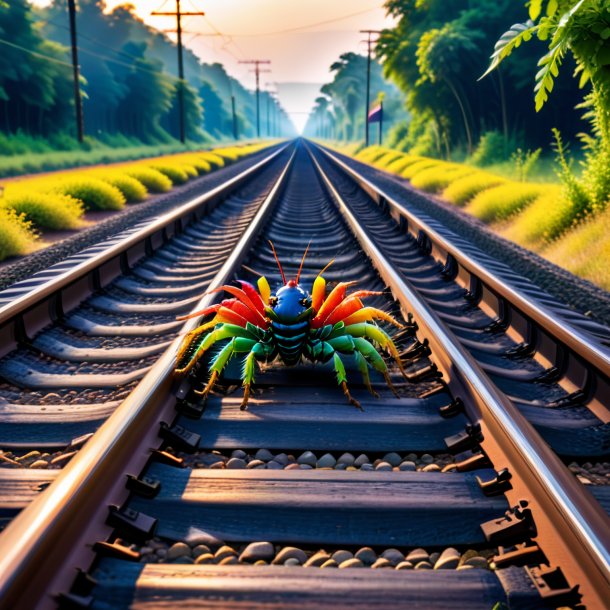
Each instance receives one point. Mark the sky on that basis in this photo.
(301, 38)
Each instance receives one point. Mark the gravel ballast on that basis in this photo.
(263, 459)
(265, 553)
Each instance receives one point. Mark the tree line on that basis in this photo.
(435, 56)
(339, 111)
(129, 79)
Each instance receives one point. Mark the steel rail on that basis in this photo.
(563, 331)
(574, 526)
(71, 511)
(21, 304)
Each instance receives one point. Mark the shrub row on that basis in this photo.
(59, 200)
(537, 212)
(542, 217)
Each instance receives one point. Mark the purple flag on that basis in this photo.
(375, 113)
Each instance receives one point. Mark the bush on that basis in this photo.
(176, 174)
(201, 165)
(386, 159)
(153, 180)
(585, 250)
(216, 161)
(413, 169)
(550, 215)
(47, 210)
(133, 190)
(435, 179)
(500, 202)
(492, 148)
(95, 194)
(402, 163)
(464, 189)
(228, 154)
(16, 234)
(189, 169)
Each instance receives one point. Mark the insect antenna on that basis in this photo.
(302, 262)
(253, 271)
(277, 260)
(327, 266)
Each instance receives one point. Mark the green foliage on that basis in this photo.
(47, 210)
(575, 193)
(339, 110)
(464, 189)
(16, 234)
(525, 162)
(94, 193)
(397, 134)
(492, 148)
(154, 181)
(129, 80)
(501, 202)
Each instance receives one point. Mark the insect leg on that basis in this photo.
(236, 345)
(363, 367)
(378, 335)
(257, 352)
(377, 362)
(342, 379)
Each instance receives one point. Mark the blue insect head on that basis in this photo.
(290, 304)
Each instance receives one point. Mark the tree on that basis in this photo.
(580, 28)
(436, 52)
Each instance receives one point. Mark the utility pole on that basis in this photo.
(78, 103)
(257, 71)
(369, 42)
(179, 14)
(234, 117)
(270, 107)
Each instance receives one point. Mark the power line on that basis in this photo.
(35, 54)
(304, 27)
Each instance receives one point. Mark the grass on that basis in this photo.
(465, 188)
(543, 221)
(152, 180)
(412, 170)
(437, 178)
(16, 234)
(503, 201)
(94, 193)
(58, 200)
(386, 159)
(38, 155)
(174, 172)
(132, 189)
(47, 210)
(585, 250)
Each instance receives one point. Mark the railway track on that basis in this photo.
(171, 501)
